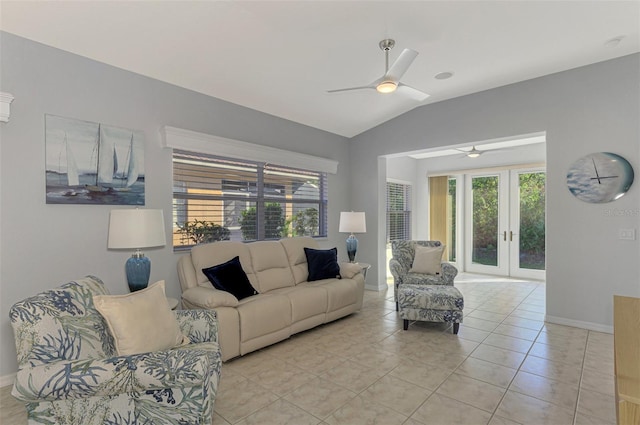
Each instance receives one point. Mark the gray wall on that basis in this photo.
(589, 109)
(43, 245)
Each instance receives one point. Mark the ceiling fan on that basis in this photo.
(475, 152)
(390, 81)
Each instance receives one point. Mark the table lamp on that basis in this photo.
(352, 222)
(136, 229)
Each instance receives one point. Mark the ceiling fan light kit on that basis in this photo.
(390, 81)
(386, 87)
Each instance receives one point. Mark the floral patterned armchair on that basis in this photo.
(68, 372)
(402, 259)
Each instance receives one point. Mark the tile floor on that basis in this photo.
(505, 367)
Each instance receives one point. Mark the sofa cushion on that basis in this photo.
(141, 321)
(427, 259)
(262, 315)
(307, 300)
(297, 258)
(271, 265)
(231, 278)
(322, 263)
(340, 293)
(211, 254)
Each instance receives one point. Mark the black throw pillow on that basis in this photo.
(322, 263)
(230, 277)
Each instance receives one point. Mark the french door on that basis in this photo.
(505, 223)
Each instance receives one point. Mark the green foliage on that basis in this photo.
(274, 222)
(202, 231)
(532, 215)
(304, 223)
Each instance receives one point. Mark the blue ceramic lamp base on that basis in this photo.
(138, 269)
(352, 247)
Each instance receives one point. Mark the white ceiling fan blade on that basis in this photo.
(351, 89)
(401, 65)
(412, 92)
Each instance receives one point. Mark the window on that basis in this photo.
(398, 211)
(217, 198)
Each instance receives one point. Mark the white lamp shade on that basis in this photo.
(136, 228)
(352, 222)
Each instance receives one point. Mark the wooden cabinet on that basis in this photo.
(626, 333)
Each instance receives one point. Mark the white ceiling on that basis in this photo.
(281, 57)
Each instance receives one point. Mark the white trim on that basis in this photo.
(7, 380)
(5, 106)
(192, 141)
(579, 324)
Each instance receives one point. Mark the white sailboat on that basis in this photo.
(106, 161)
(132, 168)
(73, 178)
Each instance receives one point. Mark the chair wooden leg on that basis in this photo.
(406, 324)
(456, 326)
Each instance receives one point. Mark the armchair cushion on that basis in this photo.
(140, 321)
(427, 260)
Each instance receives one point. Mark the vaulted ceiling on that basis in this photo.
(281, 57)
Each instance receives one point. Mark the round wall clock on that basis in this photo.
(600, 177)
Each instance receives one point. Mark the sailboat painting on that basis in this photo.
(93, 163)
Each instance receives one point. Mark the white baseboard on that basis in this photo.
(579, 324)
(7, 380)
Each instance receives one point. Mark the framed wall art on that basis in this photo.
(93, 163)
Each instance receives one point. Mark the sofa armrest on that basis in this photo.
(397, 270)
(449, 272)
(209, 298)
(199, 325)
(183, 367)
(349, 270)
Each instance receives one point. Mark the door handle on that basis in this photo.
(504, 235)
(510, 235)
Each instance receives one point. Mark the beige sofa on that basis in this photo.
(286, 303)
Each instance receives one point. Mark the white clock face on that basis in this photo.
(600, 177)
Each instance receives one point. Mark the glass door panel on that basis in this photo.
(527, 237)
(487, 198)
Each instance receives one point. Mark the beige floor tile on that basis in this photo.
(516, 332)
(441, 410)
(525, 314)
(353, 376)
(452, 344)
(487, 315)
(556, 392)
(563, 340)
(565, 372)
(377, 358)
(481, 324)
(601, 364)
(360, 411)
(601, 338)
(508, 343)
(12, 411)
(436, 358)
(487, 372)
(472, 391)
(217, 420)
(498, 420)
(472, 334)
(397, 394)
(601, 382)
(320, 397)
(599, 349)
(532, 411)
(508, 358)
(568, 354)
(422, 374)
(281, 412)
(281, 378)
(596, 404)
(316, 361)
(591, 420)
(240, 398)
(566, 331)
(536, 325)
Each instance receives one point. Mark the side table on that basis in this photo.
(173, 303)
(365, 267)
